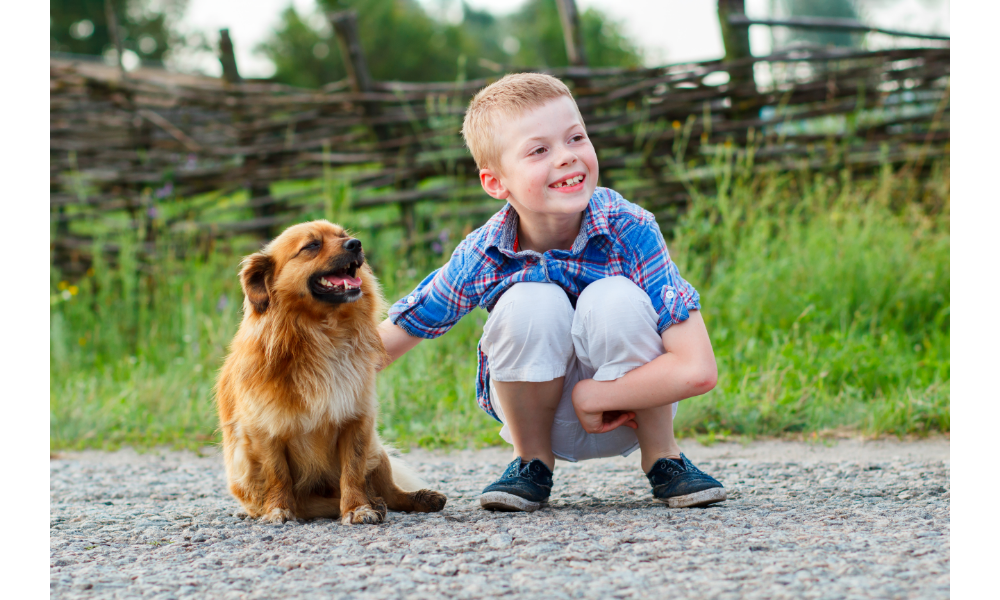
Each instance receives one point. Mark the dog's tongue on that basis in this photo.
(343, 280)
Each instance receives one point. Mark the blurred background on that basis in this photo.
(282, 38)
(795, 153)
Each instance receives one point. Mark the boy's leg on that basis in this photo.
(614, 331)
(528, 409)
(656, 434)
(527, 343)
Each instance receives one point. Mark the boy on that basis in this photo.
(593, 336)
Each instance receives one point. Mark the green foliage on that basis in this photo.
(302, 56)
(838, 9)
(80, 26)
(402, 42)
(538, 30)
(827, 300)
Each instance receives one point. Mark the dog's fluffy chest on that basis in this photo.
(345, 391)
(313, 391)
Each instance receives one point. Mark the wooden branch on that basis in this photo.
(830, 24)
(174, 132)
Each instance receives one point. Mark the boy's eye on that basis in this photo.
(577, 138)
(538, 151)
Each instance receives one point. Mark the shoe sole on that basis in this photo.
(702, 498)
(505, 502)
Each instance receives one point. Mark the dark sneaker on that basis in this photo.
(521, 487)
(683, 486)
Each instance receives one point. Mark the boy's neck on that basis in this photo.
(542, 233)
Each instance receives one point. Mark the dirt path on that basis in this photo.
(853, 519)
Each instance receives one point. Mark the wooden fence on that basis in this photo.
(175, 156)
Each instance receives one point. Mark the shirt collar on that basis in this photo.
(503, 229)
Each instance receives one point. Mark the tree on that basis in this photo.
(80, 26)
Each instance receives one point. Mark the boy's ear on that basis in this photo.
(492, 185)
(256, 277)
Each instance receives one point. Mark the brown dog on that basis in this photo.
(296, 397)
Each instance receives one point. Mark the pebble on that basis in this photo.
(800, 522)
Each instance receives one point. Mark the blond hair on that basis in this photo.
(503, 100)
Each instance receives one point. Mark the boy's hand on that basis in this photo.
(598, 421)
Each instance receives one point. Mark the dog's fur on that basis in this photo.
(296, 397)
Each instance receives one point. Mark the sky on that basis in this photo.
(669, 31)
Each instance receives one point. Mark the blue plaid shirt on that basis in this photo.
(616, 238)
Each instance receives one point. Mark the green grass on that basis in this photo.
(827, 301)
(828, 307)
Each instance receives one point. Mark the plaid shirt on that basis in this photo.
(616, 238)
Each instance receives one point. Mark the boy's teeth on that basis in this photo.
(573, 181)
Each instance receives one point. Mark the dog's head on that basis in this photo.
(310, 269)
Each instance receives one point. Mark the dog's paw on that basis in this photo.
(278, 515)
(363, 515)
(429, 500)
(378, 505)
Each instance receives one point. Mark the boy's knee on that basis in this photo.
(618, 301)
(528, 310)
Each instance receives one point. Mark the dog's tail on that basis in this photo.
(402, 474)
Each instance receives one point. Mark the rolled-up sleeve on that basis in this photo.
(439, 301)
(671, 295)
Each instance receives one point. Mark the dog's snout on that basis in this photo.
(352, 245)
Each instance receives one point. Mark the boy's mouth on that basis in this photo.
(569, 182)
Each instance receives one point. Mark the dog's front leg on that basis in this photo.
(277, 481)
(352, 447)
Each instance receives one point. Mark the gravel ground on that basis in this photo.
(848, 520)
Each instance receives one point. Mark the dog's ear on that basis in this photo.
(256, 278)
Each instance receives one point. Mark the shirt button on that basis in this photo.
(411, 300)
(670, 294)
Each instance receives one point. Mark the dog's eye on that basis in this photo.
(313, 245)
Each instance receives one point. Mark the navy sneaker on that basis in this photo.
(683, 485)
(522, 487)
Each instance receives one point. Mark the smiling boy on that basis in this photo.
(593, 336)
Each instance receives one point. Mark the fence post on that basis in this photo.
(116, 36)
(228, 57)
(736, 40)
(140, 132)
(256, 191)
(345, 25)
(572, 33)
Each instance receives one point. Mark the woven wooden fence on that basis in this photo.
(176, 156)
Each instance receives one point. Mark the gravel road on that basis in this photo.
(849, 520)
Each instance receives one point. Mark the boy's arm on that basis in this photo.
(437, 303)
(685, 369)
(396, 341)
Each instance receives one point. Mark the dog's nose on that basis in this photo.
(352, 245)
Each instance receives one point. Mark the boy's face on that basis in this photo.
(548, 165)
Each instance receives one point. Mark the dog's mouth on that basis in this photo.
(338, 285)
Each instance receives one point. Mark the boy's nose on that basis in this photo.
(566, 157)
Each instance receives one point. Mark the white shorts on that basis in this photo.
(533, 334)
